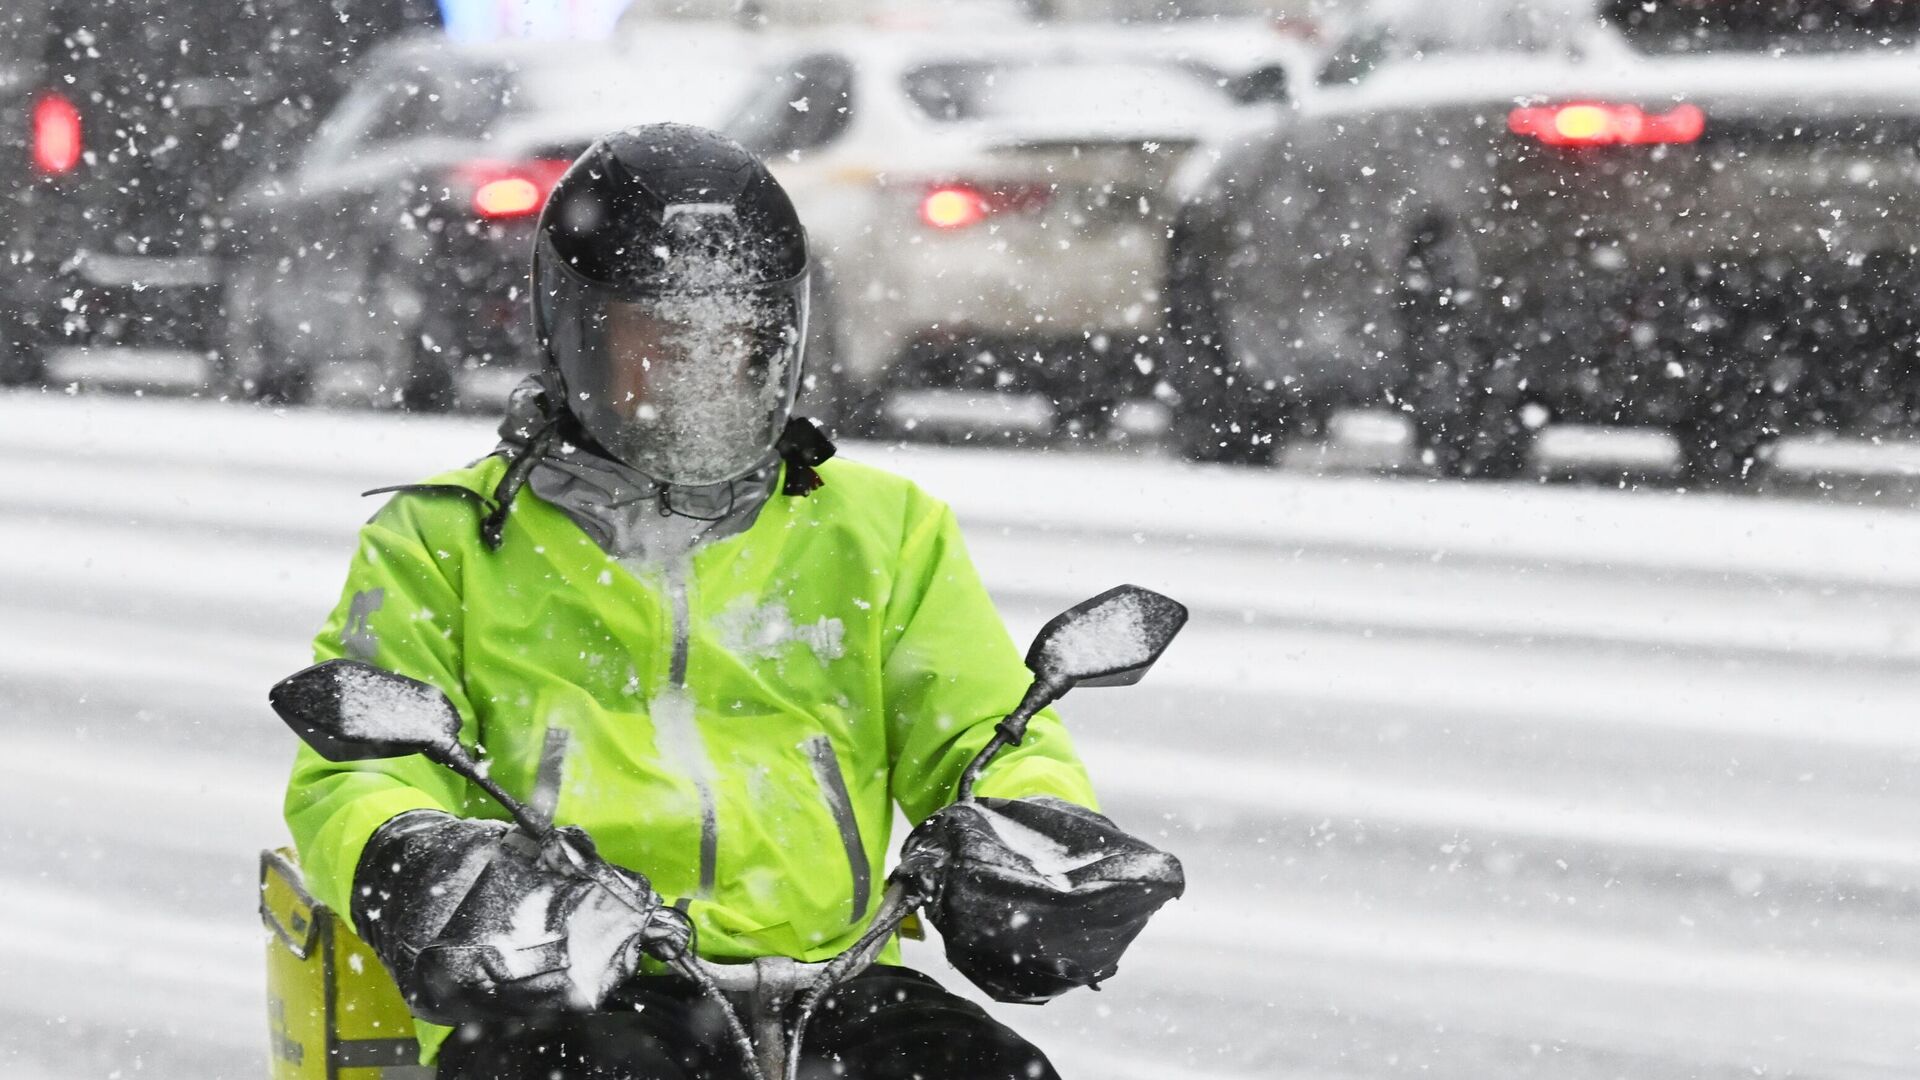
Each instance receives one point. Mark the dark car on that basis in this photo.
(123, 125)
(398, 244)
(1497, 213)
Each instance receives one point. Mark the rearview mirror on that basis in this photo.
(352, 711)
(1110, 640)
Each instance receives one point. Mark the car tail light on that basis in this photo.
(952, 206)
(959, 205)
(1592, 123)
(56, 134)
(509, 189)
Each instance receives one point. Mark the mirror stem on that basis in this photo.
(455, 757)
(1009, 732)
(1040, 695)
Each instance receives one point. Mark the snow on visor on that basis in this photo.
(690, 384)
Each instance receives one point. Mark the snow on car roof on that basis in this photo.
(612, 83)
(579, 90)
(1106, 57)
(1595, 58)
(1035, 92)
(1825, 83)
(900, 49)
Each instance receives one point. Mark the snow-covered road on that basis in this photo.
(1470, 780)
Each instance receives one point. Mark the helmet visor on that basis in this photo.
(690, 386)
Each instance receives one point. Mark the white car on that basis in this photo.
(987, 213)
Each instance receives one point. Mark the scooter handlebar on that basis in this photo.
(808, 977)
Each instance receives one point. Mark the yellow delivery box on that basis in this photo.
(333, 1012)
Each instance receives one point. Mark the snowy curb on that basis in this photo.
(1113, 495)
(1110, 494)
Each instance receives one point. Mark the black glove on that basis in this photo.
(1034, 897)
(475, 920)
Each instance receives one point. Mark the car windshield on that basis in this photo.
(1766, 26)
(1032, 90)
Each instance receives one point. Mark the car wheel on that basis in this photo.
(1743, 402)
(830, 393)
(248, 364)
(414, 349)
(282, 379)
(1221, 437)
(1465, 414)
(1085, 395)
(1083, 418)
(1217, 417)
(830, 398)
(22, 359)
(1712, 455)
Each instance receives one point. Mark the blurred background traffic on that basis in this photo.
(1521, 393)
(296, 196)
(1452, 238)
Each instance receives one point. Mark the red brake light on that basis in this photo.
(56, 134)
(509, 189)
(509, 197)
(953, 206)
(958, 205)
(1590, 123)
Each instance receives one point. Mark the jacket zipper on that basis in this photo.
(679, 729)
(833, 789)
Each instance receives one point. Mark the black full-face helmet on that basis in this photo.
(670, 294)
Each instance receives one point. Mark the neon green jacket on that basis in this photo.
(737, 730)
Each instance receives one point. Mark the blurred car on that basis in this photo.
(777, 16)
(1497, 213)
(122, 127)
(401, 240)
(987, 213)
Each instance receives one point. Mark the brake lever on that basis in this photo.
(559, 850)
(592, 867)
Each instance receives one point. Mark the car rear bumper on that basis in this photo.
(118, 300)
(102, 258)
(460, 300)
(1076, 370)
(1809, 193)
(1024, 284)
(1830, 340)
(989, 310)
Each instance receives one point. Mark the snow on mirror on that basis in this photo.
(352, 711)
(1110, 640)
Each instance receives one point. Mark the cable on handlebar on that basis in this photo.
(894, 908)
(690, 968)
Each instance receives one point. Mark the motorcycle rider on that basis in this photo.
(668, 619)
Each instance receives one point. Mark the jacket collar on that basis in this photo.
(629, 514)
